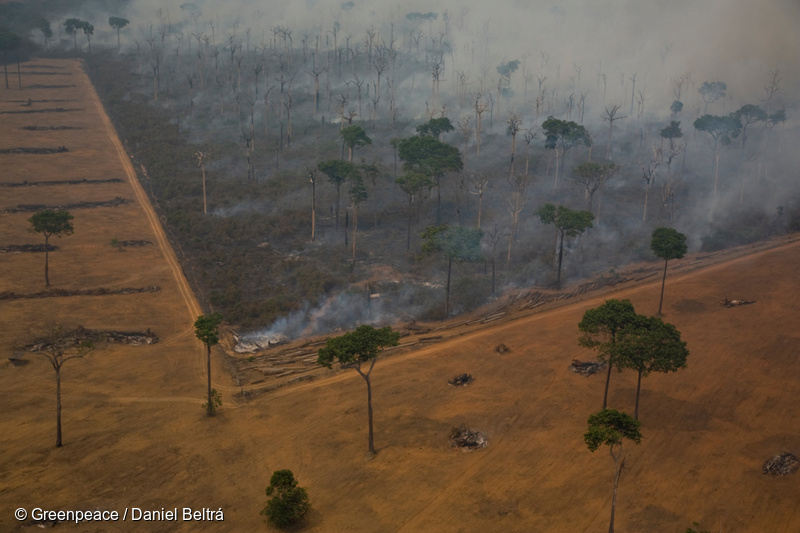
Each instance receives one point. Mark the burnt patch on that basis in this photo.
(58, 150)
(59, 182)
(37, 86)
(33, 248)
(50, 128)
(48, 110)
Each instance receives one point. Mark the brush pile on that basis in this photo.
(461, 380)
(781, 465)
(56, 293)
(586, 368)
(78, 205)
(59, 150)
(502, 348)
(466, 439)
(18, 248)
(81, 334)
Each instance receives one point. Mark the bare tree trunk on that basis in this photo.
(46, 262)
(369, 402)
(638, 390)
(663, 281)
(617, 471)
(560, 257)
(210, 406)
(58, 406)
(447, 291)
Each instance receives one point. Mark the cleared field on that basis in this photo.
(135, 434)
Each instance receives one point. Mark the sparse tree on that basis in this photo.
(354, 137)
(711, 92)
(358, 195)
(592, 176)
(610, 117)
(436, 127)
(72, 25)
(667, 244)
(599, 328)
(570, 223)
(648, 344)
(8, 41)
(201, 162)
(118, 23)
(337, 173)
(563, 135)
(722, 130)
(749, 114)
(50, 223)
(610, 427)
(413, 183)
(514, 126)
(206, 328)
(59, 345)
(357, 348)
(458, 244)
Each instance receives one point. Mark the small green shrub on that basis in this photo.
(288, 504)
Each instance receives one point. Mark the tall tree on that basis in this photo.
(711, 92)
(667, 244)
(88, 31)
(592, 176)
(648, 344)
(413, 183)
(569, 222)
(358, 195)
(722, 130)
(610, 117)
(118, 23)
(563, 135)
(50, 223)
(749, 114)
(8, 41)
(72, 25)
(354, 137)
(431, 157)
(600, 326)
(337, 173)
(458, 244)
(58, 346)
(206, 328)
(357, 348)
(611, 428)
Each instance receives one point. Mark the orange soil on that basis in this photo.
(135, 434)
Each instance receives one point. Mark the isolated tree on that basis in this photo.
(676, 108)
(118, 23)
(672, 133)
(288, 503)
(711, 92)
(436, 127)
(50, 223)
(722, 130)
(749, 114)
(8, 41)
(514, 125)
(47, 32)
(610, 427)
(600, 326)
(431, 157)
(667, 244)
(413, 183)
(337, 173)
(570, 223)
(648, 175)
(72, 25)
(563, 135)
(354, 137)
(58, 346)
(458, 244)
(206, 328)
(357, 348)
(480, 181)
(88, 31)
(358, 195)
(592, 176)
(648, 344)
(201, 162)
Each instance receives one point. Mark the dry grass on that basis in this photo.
(135, 434)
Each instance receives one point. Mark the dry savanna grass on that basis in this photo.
(136, 436)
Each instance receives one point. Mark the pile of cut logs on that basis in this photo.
(586, 368)
(736, 303)
(466, 439)
(781, 465)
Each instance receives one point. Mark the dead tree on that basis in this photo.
(480, 183)
(514, 125)
(610, 117)
(479, 105)
(519, 188)
(190, 80)
(495, 236)
(316, 73)
(312, 176)
(648, 175)
(466, 132)
(529, 136)
(201, 162)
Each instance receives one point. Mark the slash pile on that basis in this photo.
(462, 380)
(587, 368)
(781, 465)
(466, 439)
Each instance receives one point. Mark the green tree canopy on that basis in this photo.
(206, 328)
(51, 223)
(667, 244)
(563, 132)
(711, 92)
(749, 114)
(355, 349)
(338, 172)
(435, 127)
(569, 223)
(673, 131)
(431, 157)
(648, 344)
(676, 107)
(118, 23)
(413, 183)
(288, 503)
(599, 328)
(354, 137)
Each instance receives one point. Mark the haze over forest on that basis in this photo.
(192, 77)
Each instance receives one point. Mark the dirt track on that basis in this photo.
(135, 434)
